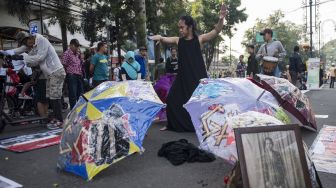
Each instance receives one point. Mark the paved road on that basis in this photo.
(38, 168)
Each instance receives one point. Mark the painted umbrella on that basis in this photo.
(106, 125)
(290, 98)
(216, 100)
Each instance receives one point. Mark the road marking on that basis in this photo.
(304, 91)
(321, 116)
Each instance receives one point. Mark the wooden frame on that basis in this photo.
(255, 130)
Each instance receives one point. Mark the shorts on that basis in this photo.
(40, 93)
(55, 84)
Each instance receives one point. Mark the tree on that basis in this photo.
(65, 19)
(206, 12)
(287, 32)
(59, 12)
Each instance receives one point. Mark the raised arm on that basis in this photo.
(167, 40)
(214, 33)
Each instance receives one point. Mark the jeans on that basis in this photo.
(294, 77)
(75, 88)
(332, 81)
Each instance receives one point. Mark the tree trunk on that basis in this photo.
(209, 55)
(64, 35)
(141, 24)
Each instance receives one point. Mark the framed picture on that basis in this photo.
(272, 157)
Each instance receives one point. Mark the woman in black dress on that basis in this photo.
(191, 69)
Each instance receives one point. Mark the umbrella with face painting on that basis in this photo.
(106, 125)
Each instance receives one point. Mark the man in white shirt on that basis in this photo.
(42, 53)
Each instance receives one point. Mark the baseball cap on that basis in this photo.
(267, 30)
(21, 36)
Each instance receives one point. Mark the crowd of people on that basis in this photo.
(186, 63)
(80, 72)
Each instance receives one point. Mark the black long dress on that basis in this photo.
(191, 70)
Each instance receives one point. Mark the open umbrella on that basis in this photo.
(215, 101)
(290, 98)
(106, 125)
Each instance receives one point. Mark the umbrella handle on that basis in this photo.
(261, 95)
(87, 100)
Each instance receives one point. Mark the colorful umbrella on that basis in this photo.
(106, 125)
(215, 101)
(290, 98)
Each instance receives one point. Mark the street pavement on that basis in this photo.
(37, 168)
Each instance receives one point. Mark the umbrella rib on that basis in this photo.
(261, 95)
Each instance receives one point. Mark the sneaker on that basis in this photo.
(52, 126)
(25, 97)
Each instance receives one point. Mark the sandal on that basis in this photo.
(164, 128)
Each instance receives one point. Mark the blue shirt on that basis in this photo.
(101, 67)
(142, 61)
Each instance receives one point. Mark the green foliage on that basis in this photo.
(328, 52)
(206, 13)
(19, 8)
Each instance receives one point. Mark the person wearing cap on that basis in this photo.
(43, 54)
(252, 63)
(141, 58)
(73, 65)
(332, 75)
(271, 48)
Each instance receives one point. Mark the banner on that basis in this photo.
(31, 141)
(313, 79)
(323, 150)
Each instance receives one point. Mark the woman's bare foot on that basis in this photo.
(164, 128)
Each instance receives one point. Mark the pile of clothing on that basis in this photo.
(178, 152)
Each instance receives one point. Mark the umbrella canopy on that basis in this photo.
(291, 99)
(215, 101)
(106, 125)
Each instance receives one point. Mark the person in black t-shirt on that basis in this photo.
(172, 62)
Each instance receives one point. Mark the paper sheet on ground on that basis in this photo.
(7, 183)
(321, 116)
(323, 150)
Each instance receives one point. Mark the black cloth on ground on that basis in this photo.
(178, 152)
(191, 68)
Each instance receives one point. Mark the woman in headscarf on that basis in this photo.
(130, 69)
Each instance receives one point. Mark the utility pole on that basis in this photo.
(41, 17)
(311, 27)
